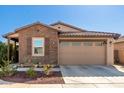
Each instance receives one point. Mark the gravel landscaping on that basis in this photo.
(21, 77)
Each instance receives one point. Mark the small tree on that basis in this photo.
(7, 69)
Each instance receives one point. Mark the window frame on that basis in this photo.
(86, 43)
(76, 44)
(37, 38)
(65, 44)
(99, 43)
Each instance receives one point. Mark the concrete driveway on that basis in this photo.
(95, 74)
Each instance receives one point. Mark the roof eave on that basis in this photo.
(69, 35)
(6, 35)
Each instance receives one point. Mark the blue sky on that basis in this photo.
(93, 18)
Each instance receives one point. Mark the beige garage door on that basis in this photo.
(88, 52)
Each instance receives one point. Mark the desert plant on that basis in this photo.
(47, 69)
(8, 69)
(31, 72)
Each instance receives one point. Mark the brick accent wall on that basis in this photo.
(51, 44)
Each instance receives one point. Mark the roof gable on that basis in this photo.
(33, 24)
(64, 27)
(27, 26)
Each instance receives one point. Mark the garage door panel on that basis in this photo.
(82, 54)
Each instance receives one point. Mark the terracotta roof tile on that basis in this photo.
(90, 33)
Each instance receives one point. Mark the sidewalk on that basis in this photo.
(18, 85)
(5, 84)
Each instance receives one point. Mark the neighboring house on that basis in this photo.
(64, 44)
(119, 50)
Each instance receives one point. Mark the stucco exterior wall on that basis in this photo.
(110, 52)
(119, 52)
(51, 46)
(119, 46)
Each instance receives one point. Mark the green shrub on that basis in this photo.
(3, 52)
(47, 69)
(31, 72)
(7, 69)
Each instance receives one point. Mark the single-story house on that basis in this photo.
(119, 50)
(64, 44)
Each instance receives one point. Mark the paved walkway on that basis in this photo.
(5, 84)
(37, 69)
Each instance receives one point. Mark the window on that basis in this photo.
(98, 43)
(38, 46)
(76, 43)
(87, 43)
(65, 43)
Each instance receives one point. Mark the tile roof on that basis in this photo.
(69, 25)
(120, 40)
(89, 33)
(7, 34)
(70, 33)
